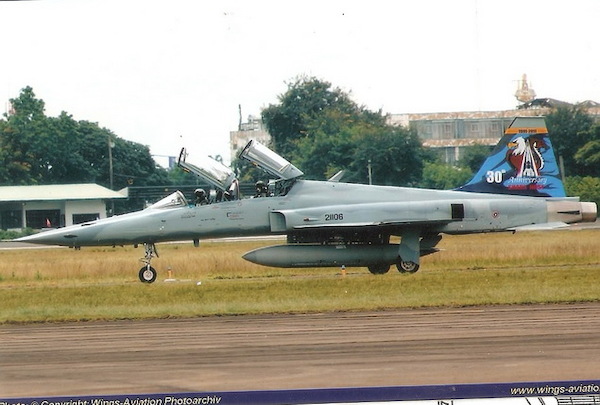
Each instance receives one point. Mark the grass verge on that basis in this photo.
(47, 285)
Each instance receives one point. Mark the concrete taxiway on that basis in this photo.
(389, 348)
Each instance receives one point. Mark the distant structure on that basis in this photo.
(524, 93)
(447, 132)
(451, 132)
(251, 129)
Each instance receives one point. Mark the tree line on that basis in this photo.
(316, 126)
(322, 130)
(38, 149)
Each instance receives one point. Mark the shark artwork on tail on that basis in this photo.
(334, 224)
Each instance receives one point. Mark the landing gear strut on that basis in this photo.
(147, 273)
(409, 251)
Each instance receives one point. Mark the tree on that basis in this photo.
(36, 149)
(395, 155)
(570, 129)
(321, 130)
(588, 156)
(94, 150)
(328, 146)
(444, 177)
(474, 156)
(60, 154)
(306, 99)
(587, 188)
(133, 165)
(20, 137)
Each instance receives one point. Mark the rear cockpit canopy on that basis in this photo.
(269, 161)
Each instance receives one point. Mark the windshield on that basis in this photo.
(172, 201)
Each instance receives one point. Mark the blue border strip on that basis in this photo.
(329, 395)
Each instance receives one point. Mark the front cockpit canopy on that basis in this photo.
(269, 161)
(213, 172)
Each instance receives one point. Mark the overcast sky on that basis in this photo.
(172, 73)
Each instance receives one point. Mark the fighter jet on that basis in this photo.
(329, 223)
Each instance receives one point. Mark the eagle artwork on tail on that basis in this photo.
(525, 157)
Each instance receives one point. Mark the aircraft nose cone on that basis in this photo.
(49, 238)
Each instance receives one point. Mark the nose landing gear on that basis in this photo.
(147, 273)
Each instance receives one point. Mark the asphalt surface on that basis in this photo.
(391, 348)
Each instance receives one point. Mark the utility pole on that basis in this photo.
(370, 169)
(111, 145)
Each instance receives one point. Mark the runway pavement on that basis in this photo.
(390, 348)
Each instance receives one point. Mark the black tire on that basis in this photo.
(379, 268)
(147, 274)
(407, 267)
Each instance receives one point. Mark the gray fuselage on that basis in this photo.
(310, 205)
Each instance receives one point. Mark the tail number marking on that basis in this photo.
(334, 217)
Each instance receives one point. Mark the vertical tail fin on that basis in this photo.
(522, 163)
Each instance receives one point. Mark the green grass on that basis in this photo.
(62, 285)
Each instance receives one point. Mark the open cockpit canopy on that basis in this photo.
(213, 172)
(269, 161)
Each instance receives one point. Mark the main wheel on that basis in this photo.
(379, 268)
(407, 267)
(147, 274)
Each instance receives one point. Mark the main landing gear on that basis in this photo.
(407, 266)
(401, 265)
(411, 248)
(381, 268)
(147, 272)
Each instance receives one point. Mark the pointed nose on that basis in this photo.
(55, 237)
(251, 257)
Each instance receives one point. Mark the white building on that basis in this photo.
(53, 206)
(253, 129)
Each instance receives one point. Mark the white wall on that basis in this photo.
(68, 208)
(83, 207)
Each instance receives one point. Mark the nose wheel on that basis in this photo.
(148, 273)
